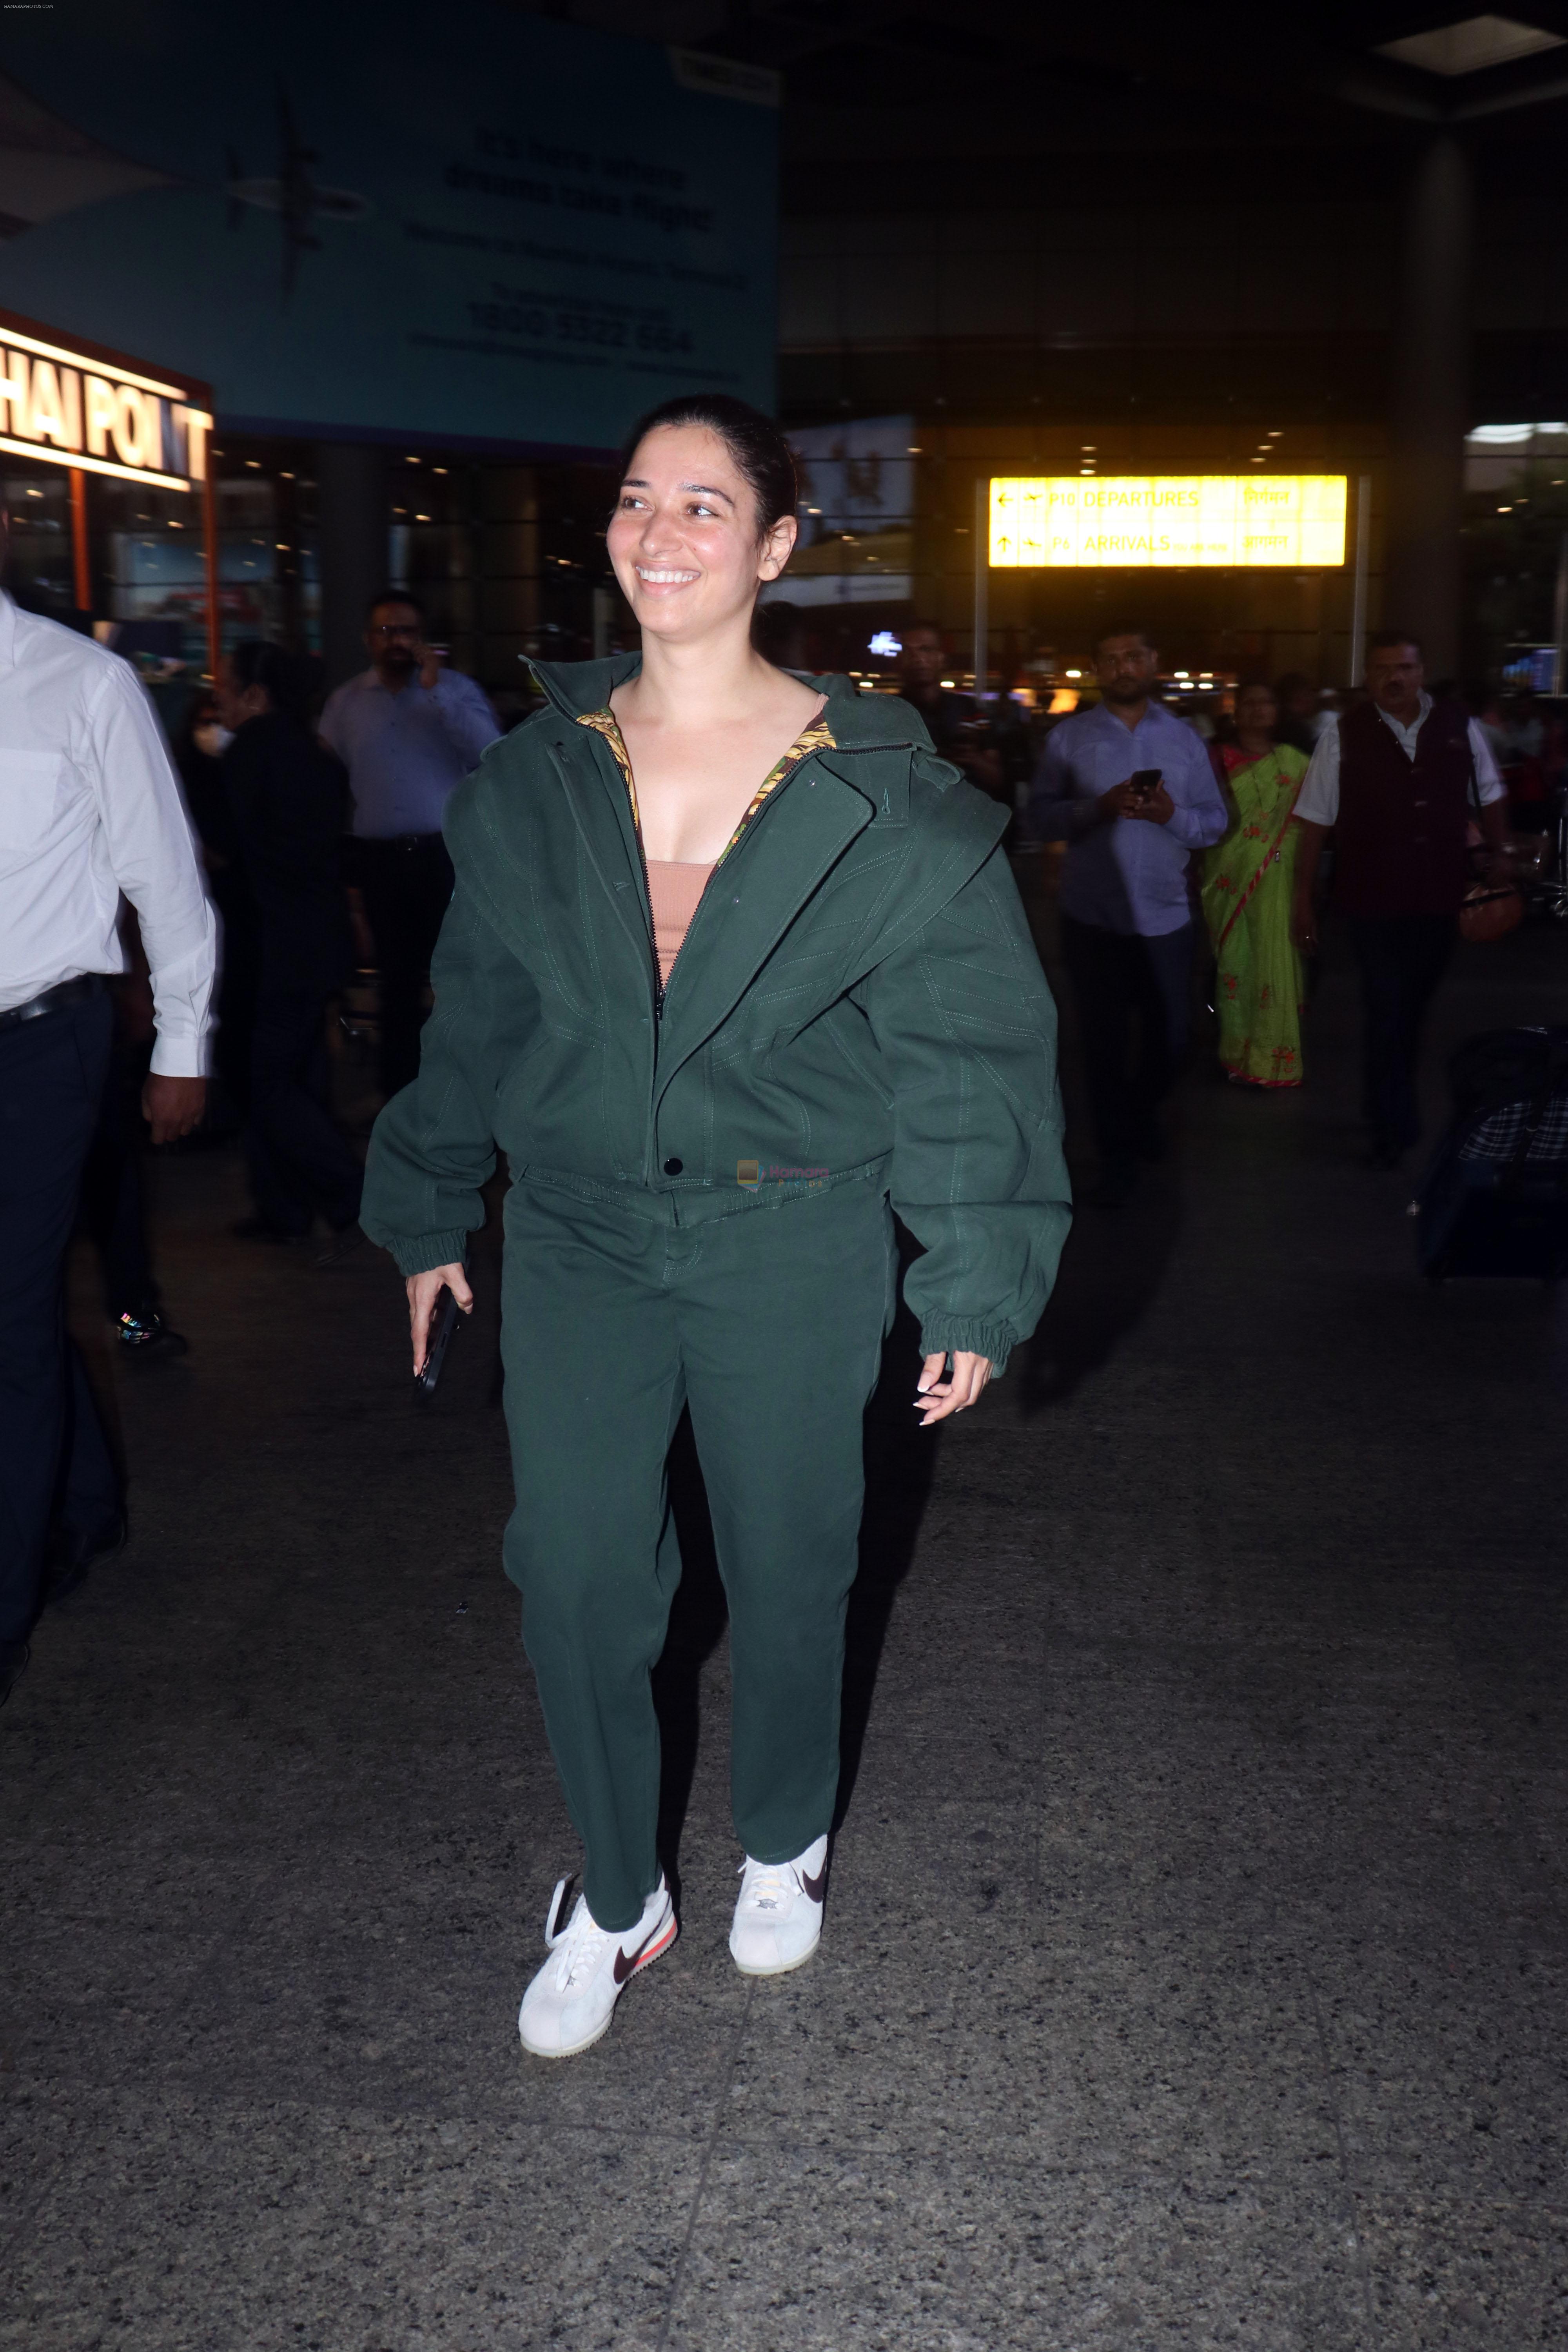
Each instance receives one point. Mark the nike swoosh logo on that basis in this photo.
(816, 1887)
(626, 1961)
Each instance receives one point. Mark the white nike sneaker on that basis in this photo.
(778, 1913)
(568, 2005)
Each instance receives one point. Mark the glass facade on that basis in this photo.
(507, 560)
(269, 576)
(40, 570)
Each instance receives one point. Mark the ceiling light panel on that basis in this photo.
(1470, 45)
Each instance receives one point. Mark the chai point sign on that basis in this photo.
(1168, 521)
(74, 406)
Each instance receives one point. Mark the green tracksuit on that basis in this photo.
(699, 1212)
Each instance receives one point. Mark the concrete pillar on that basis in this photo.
(351, 529)
(1429, 413)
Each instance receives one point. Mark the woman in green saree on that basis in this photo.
(1247, 879)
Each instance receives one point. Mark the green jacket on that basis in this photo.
(858, 997)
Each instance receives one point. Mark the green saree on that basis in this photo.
(1247, 881)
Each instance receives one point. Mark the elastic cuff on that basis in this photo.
(949, 1333)
(423, 1253)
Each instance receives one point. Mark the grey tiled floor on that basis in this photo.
(1197, 1957)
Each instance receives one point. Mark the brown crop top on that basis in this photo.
(674, 888)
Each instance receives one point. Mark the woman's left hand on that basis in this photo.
(938, 1397)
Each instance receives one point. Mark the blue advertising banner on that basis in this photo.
(478, 227)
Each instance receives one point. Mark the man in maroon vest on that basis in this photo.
(1398, 780)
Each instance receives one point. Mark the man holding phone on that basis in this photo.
(1130, 788)
(408, 730)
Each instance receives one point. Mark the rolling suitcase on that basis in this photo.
(1495, 1199)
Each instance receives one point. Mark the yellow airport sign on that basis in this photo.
(1154, 521)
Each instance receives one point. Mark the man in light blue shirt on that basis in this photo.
(407, 731)
(1130, 788)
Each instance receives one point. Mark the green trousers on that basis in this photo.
(769, 1325)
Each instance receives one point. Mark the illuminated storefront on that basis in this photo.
(108, 483)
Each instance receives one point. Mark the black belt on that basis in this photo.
(55, 1000)
(397, 840)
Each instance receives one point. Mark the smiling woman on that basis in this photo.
(735, 968)
(704, 518)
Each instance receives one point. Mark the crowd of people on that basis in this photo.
(320, 836)
(1242, 791)
(647, 1045)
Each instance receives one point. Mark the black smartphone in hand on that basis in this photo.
(1144, 782)
(443, 1323)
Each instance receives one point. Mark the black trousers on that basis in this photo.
(238, 986)
(1134, 1010)
(297, 1158)
(1402, 959)
(53, 1459)
(112, 1210)
(407, 885)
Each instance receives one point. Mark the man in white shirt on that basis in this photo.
(1130, 788)
(88, 808)
(408, 730)
(1398, 780)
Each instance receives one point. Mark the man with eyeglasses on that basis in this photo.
(1129, 787)
(408, 730)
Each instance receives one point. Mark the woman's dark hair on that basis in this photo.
(289, 679)
(759, 449)
(1225, 726)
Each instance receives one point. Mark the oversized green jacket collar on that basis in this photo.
(805, 829)
(859, 721)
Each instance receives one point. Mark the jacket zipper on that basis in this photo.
(648, 886)
(652, 925)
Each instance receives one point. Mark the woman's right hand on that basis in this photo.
(423, 1290)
